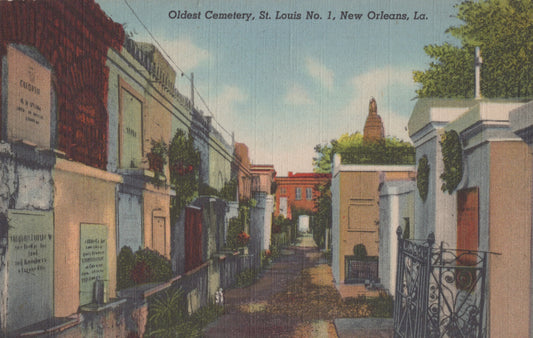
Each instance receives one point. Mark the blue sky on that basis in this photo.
(284, 86)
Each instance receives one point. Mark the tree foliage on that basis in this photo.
(355, 150)
(503, 31)
(322, 162)
(322, 216)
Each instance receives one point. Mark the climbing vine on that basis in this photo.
(422, 177)
(184, 164)
(157, 158)
(452, 156)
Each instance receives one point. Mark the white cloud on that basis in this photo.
(375, 82)
(298, 96)
(224, 106)
(320, 72)
(287, 156)
(185, 54)
(396, 125)
(390, 87)
(229, 96)
(289, 146)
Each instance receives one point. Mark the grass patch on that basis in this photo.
(168, 316)
(380, 307)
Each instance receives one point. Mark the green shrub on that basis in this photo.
(145, 266)
(275, 251)
(246, 278)
(229, 190)
(382, 306)
(234, 229)
(168, 316)
(205, 189)
(266, 256)
(125, 262)
(158, 266)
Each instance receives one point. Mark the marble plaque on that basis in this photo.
(93, 259)
(30, 268)
(28, 99)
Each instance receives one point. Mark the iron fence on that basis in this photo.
(440, 292)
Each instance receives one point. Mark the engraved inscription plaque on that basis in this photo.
(28, 99)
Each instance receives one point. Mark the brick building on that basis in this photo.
(297, 191)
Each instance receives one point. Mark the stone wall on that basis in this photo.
(26, 235)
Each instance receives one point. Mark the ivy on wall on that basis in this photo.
(422, 177)
(184, 165)
(452, 156)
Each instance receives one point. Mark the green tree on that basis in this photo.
(322, 162)
(503, 31)
(322, 216)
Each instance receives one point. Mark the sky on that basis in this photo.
(283, 85)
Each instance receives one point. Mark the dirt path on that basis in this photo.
(278, 305)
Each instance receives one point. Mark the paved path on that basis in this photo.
(245, 308)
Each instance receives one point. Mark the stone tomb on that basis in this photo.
(93, 261)
(30, 268)
(28, 99)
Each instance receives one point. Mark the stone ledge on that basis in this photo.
(93, 307)
(50, 326)
(145, 290)
(364, 327)
(85, 170)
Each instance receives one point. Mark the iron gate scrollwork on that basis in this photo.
(439, 292)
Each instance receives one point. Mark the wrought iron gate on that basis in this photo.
(439, 292)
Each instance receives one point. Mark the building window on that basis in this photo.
(298, 194)
(308, 194)
(283, 210)
(283, 191)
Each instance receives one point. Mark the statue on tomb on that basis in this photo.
(374, 129)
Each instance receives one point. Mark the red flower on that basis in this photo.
(243, 238)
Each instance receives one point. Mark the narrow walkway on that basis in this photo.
(295, 297)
